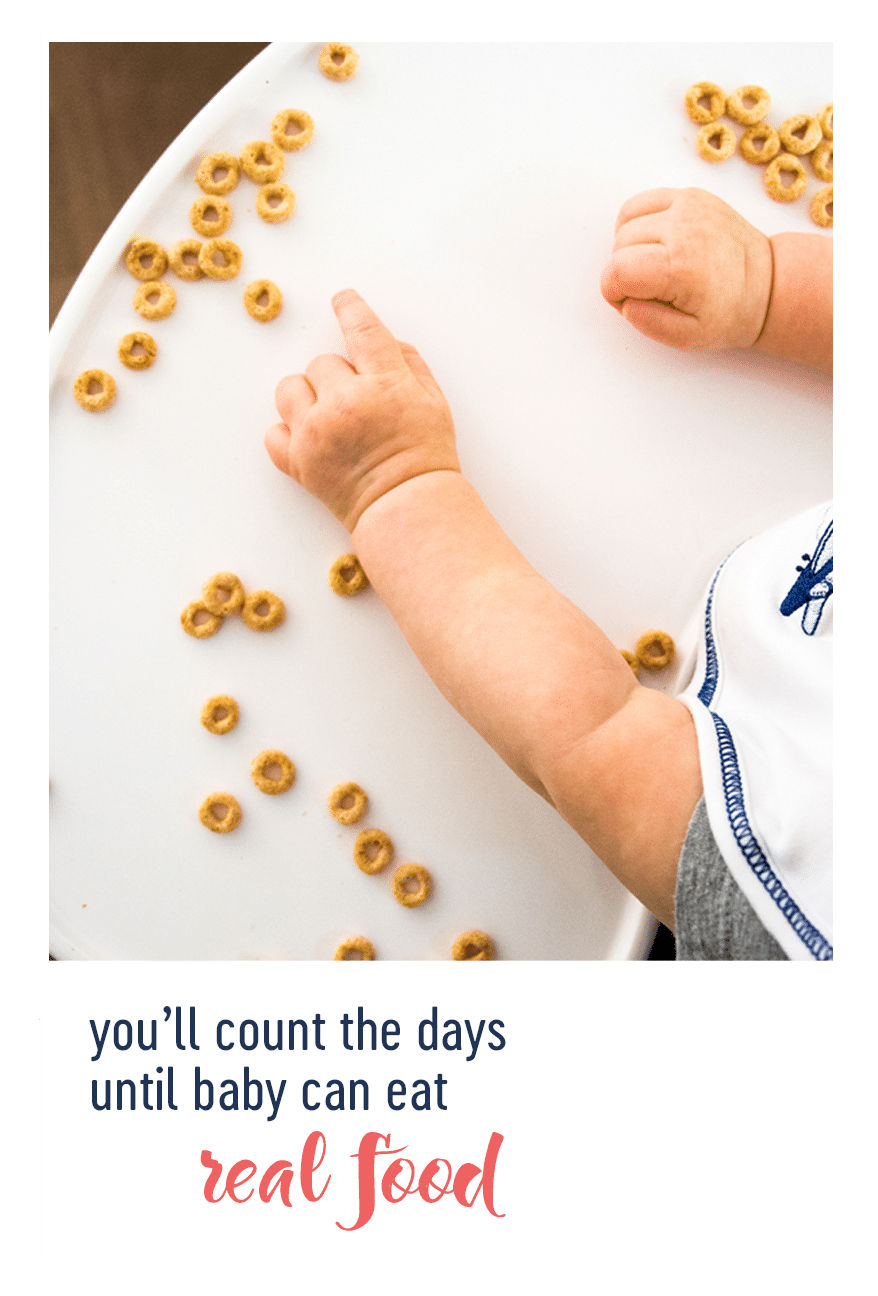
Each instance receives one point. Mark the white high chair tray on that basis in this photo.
(469, 192)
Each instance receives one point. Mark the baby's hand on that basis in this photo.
(687, 270)
(351, 432)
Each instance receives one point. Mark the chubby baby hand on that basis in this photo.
(353, 430)
(688, 271)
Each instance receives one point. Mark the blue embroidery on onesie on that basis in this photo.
(813, 586)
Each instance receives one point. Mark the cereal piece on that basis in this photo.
(800, 134)
(740, 112)
(715, 142)
(223, 594)
(347, 803)
(262, 610)
(198, 620)
(346, 575)
(210, 216)
(263, 300)
(154, 300)
(275, 202)
(472, 947)
(631, 660)
(373, 851)
(759, 143)
(355, 948)
(404, 892)
(705, 90)
(292, 129)
(137, 350)
(218, 173)
(784, 163)
(338, 62)
(146, 259)
(821, 207)
(95, 390)
(262, 161)
(825, 119)
(220, 714)
(183, 259)
(220, 258)
(220, 812)
(654, 650)
(821, 160)
(272, 772)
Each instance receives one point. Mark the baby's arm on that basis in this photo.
(687, 270)
(374, 439)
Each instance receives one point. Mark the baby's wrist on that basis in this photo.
(391, 488)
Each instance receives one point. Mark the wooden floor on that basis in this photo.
(114, 108)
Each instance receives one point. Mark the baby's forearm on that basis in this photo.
(798, 325)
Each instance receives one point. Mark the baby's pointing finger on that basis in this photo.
(641, 271)
(371, 345)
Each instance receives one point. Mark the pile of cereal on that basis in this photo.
(224, 596)
(778, 150)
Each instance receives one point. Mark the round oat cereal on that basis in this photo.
(210, 216)
(272, 772)
(715, 142)
(263, 300)
(262, 161)
(229, 262)
(220, 812)
(820, 208)
(146, 259)
(346, 575)
(218, 173)
(655, 650)
(155, 300)
(800, 134)
(292, 129)
(183, 259)
(198, 620)
(631, 660)
(137, 350)
(275, 202)
(223, 594)
(784, 164)
(355, 948)
(347, 803)
(705, 90)
(759, 143)
(821, 160)
(373, 851)
(472, 947)
(262, 610)
(825, 119)
(338, 62)
(220, 714)
(741, 112)
(411, 895)
(95, 390)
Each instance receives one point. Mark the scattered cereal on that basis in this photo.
(272, 772)
(95, 390)
(825, 119)
(785, 163)
(403, 877)
(183, 259)
(218, 173)
(223, 594)
(220, 258)
(275, 202)
(821, 207)
(473, 946)
(198, 620)
(338, 62)
(821, 160)
(356, 947)
(220, 812)
(748, 115)
(347, 803)
(137, 350)
(262, 610)
(759, 143)
(631, 660)
(655, 649)
(715, 142)
(300, 136)
(346, 575)
(373, 850)
(263, 300)
(220, 714)
(800, 134)
(155, 300)
(705, 90)
(262, 161)
(210, 216)
(146, 259)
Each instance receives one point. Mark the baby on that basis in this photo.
(670, 793)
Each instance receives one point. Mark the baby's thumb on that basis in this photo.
(419, 367)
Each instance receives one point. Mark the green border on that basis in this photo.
(20, 465)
